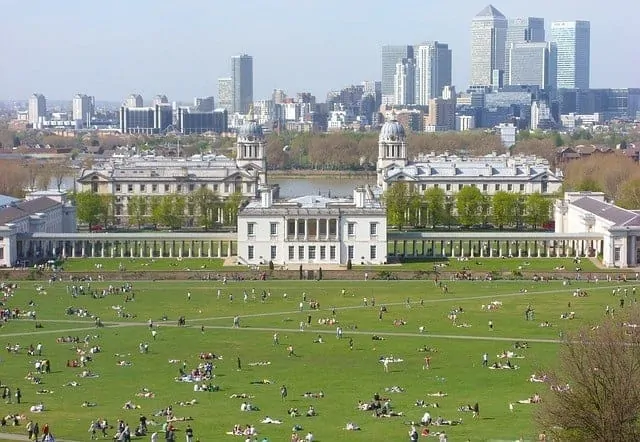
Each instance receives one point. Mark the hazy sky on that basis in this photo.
(112, 48)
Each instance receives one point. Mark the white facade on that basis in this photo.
(488, 40)
(313, 230)
(490, 173)
(539, 112)
(465, 122)
(508, 133)
(588, 212)
(573, 42)
(82, 109)
(40, 212)
(340, 119)
(533, 64)
(37, 109)
(432, 72)
(405, 82)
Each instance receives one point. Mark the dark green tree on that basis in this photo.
(468, 203)
(91, 207)
(396, 199)
(137, 207)
(232, 207)
(206, 203)
(434, 202)
(504, 208)
(537, 209)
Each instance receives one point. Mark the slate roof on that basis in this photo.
(609, 212)
(25, 208)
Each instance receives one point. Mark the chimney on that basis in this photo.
(359, 196)
(266, 197)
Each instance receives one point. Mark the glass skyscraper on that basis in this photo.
(522, 30)
(242, 82)
(533, 64)
(488, 45)
(391, 56)
(573, 41)
(433, 71)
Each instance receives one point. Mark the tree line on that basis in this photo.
(202, 208)
(407, 207)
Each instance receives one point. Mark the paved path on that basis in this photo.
(9, 436)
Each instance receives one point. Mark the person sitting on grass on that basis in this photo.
(318, 395)
(130, 406)
(311, 412)
(293, 412)
(241, 396)
(89, 404)
(248, 406)
(421, 403)
(352, 427)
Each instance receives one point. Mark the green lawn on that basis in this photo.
(344, 375)
(141, 264)
(495, 264)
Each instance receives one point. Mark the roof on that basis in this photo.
(314, 205)
(25, 208)
(5, 200)
(608, 211)
(490, 12)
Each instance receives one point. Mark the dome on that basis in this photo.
(392, 131)
(250, 131)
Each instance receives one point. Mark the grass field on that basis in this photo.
(345, 376)
(140, 264)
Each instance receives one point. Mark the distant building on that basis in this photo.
(432, 71)
(391, 56)
(465, 122)
(507, 133)
(533, 64)
(313, 230)
(488, 45)
(197, 122)
(134, 100)
(405, 82)
(83, 109)
(225, 94)
(573, 41)
(47, 211)
(441, 116)
(204, 104)
(522, 30)
(541, 116)
(37, 109)
(146, 120)
(160, 99)
(242, 82)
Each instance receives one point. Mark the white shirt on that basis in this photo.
(309, 437)
(154, 437)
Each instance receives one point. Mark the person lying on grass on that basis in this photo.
(241, 396)
(421, 403)
(318, 395)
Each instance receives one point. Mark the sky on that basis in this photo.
(179, 48)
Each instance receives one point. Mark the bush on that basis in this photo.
(349, 265)
(271, 267)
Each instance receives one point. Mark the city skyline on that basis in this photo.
(321, 61)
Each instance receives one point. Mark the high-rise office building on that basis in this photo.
(522, 30)
(405, 82)
(134, 100)
(82, 108)
(573, 41)
(242, 82)
(204, 104)
(488, 40)
(533, 64)
(433, 70)
(37, 108)
(160, 99)
(225, 93)
(391, 56)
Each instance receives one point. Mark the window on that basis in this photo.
(154, 188)
(179, 188)
(333, 227)
(129, 187)
(521, 187)
(323, 252)
(473, 184)
(166, 187)
(312, 252)
(351, 229)
(118, 188)
(226, 187)
(460, 186)
(192, 187)
(373, 229)
(436, 186)
(616, 254)
(215, 187)
(274, 250)
(273, 228)
(332, 253)
(424, 187)
(1, 252)
(251, 229)
(485, 187)
(249, 252)
(350, 252)
(509, 187)
(448, 187)
(143, 188)
(291, 227)
(301, 252)
(497, 187)
(292, 253)
(373, 252)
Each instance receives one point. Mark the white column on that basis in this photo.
(180, 250)
(210, 247)
(171, 244)
(229, 249)
(143, 246)
(102, 249)
(121, 249)
(295, 230)
(306, 229)
(219, 249)
(200, 249)
(190, 253)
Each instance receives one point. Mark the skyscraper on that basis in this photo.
(433, 70)
(573, 41)
(522, 30)
(488, 40)
(242, 82)
(225, 94)
(134, 100)
(204, 104)
(405, 82)
(391, 56)
(37, 108)
(82, 108)
(533, 64)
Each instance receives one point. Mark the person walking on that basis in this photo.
(283, 392)
(275, 339)
(189, 433)
(427, 363)
(350, 343)
(385, 363)
(18, 395)
(239, 364)
(36, 431)
(476, 411)
(485, 359)
(29, 428)
(45, 431)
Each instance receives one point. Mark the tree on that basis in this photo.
(232, 207)
(155, 209)
(206, 203)
(60, 171)
(629, 195)
(601, 365)
(90, 207)
(504, 208)
(137, 207)
(537, 209)
(396, 199)
(434, 200)
(468, 202)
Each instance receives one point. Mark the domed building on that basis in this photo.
(392, 149)
(250, 151)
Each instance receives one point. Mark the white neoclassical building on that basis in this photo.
(589, 212)
(313, 230)
(490, 173)
(46, 212)
(149, 176)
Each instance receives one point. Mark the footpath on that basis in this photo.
(9, 436)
